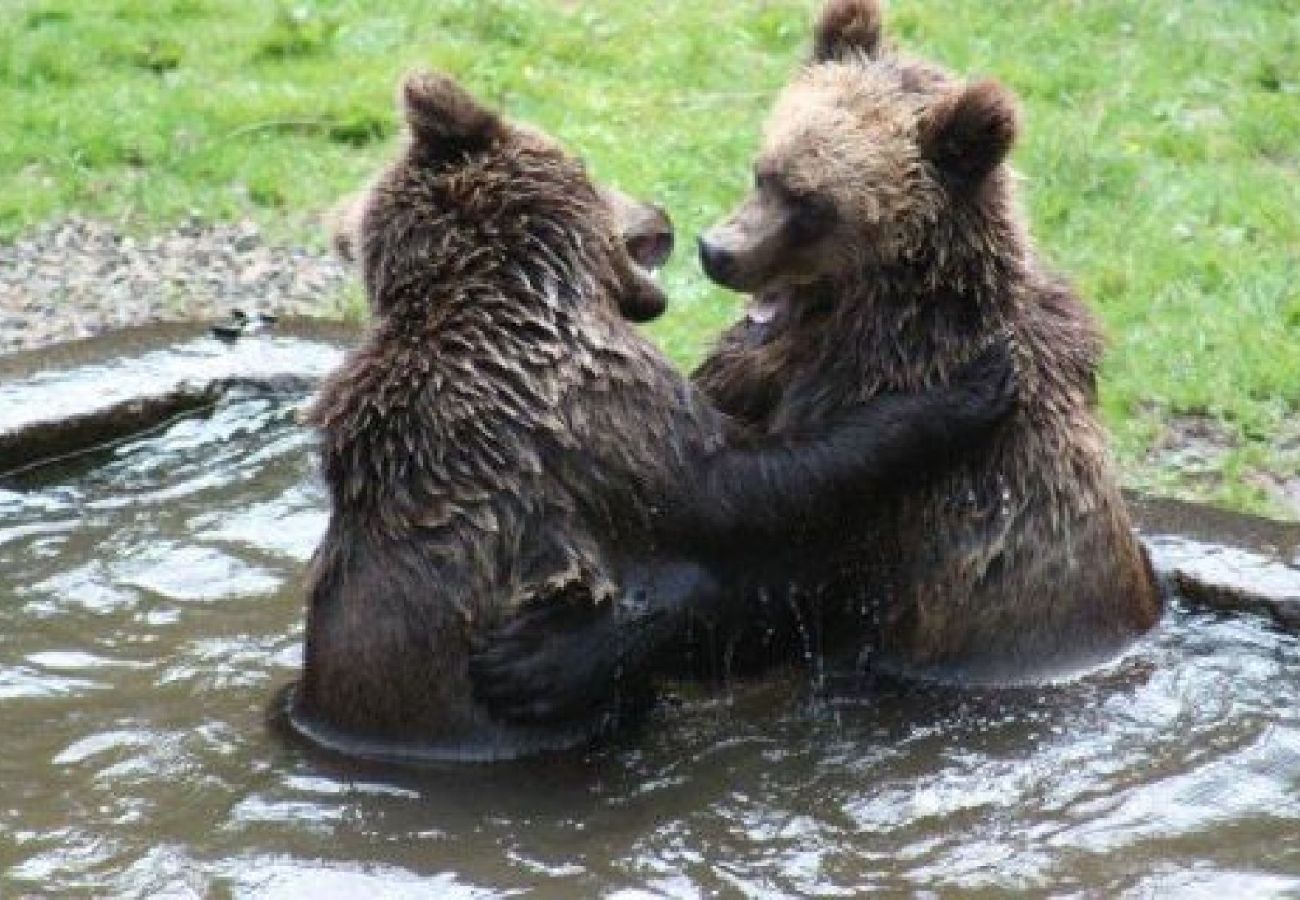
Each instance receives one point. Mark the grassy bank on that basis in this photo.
(1162, 154)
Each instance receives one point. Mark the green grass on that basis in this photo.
(1162, 153)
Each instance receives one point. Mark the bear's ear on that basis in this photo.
(846, 27)
(968, 132)
(444, 118)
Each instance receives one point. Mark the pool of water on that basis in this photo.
(150, 608)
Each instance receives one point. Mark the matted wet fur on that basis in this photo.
(503, 439)
(883, 248)
(1022, 564)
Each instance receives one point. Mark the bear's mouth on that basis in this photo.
(650, 250)
(766, 307)
(647, 250)
(646, 234)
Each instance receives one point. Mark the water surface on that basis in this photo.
(150, 608)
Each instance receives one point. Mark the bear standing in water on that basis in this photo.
(504, 440)
(882, 248)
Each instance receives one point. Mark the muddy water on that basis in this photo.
(149, 609)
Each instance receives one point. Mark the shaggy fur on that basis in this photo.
(1021, 564)
(883, 248)
(504, 440)
(470, 465)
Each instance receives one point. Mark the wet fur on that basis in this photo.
(504, 440)
(474, 445)
(1021, 564)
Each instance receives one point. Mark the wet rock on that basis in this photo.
(1223, 560)
(77, 396)
(1229, 578)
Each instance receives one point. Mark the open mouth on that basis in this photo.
(648, 245)
(647, 237)
(650, 250)
(767, 306)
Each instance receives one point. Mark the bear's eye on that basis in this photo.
(811, 217)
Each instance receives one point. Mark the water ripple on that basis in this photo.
(155, 607)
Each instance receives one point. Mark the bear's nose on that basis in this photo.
(718, 263)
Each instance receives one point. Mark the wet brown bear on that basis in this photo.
(504, 439)
(883, 247)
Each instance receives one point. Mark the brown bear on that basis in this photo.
(503, 439)
(882, 247)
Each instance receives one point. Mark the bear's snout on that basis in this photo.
(718, 262)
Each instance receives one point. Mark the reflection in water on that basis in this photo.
(151, 610)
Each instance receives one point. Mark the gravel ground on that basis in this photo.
(78, 277)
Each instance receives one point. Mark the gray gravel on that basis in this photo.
(78, 277)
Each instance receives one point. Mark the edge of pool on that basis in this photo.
(67, 398)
